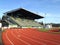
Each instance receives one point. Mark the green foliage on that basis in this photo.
(43, 29)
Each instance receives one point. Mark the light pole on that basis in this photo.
(45, 21)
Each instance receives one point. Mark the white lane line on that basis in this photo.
(9, 39)
(50, 39)
(42, 39)
(35, 40)
(46, 39)
(20, 39)
(55, 40)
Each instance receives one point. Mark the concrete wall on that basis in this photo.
(0, 25)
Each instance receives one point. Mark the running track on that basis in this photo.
(29, 37)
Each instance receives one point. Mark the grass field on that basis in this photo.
(43, 29)
(52, 30)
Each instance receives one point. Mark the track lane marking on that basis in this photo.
(20, 39)
(9, 39)
(41, 39)
(47, 39)
(34, 40)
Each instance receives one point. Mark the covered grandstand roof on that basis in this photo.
(22, 12)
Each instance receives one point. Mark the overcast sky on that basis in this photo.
(50, 9)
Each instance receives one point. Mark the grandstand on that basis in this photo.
(21, 18)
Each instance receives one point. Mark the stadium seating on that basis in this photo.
(23, 22)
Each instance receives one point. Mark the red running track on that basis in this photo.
(29, 36)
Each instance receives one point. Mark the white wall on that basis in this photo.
(48, 26)
(0, 25)
(10, 26)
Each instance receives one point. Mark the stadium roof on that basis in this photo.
(24, 12)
